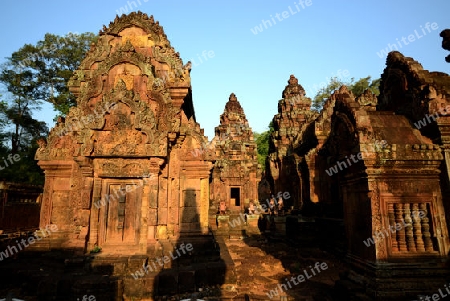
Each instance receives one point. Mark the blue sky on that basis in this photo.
(314, 42)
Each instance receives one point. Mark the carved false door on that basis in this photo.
(120, 217)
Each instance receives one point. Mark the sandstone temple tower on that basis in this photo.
(294, 111)
(236, 172)
(120, 172)
(365, 164)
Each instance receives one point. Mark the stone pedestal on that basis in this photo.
(223, 222)
(252, 220)
(223, 226)
(252, 224)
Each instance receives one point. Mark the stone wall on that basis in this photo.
(19, 206)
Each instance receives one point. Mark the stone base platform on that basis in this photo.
(206, 269)
(236, 226)
(393, 281)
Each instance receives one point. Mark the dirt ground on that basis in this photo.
(266, 261)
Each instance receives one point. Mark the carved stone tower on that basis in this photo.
(119, 169)
(236, 169)
(294, 113)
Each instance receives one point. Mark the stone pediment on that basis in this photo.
(130, 90)
(120, 125)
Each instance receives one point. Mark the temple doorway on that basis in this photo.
(235, 195)
(120, 213)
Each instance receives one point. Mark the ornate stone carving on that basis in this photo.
(134, 110)
(236, 166)
(367, 99)
(357, 151)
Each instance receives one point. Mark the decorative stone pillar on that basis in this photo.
(55, 208)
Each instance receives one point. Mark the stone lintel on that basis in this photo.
(57, 167)
(196, 168)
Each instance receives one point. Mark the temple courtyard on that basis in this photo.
(138, 204)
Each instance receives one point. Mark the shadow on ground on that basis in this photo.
(268, 265)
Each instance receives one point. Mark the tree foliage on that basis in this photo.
(19, 131)
(262, 143)
(33, 74)
(325, 92)
(16, 111)
(52, 62)
(363, 84)
(357, 89)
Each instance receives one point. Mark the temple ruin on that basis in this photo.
(120, 169)
(128, 178)
(294, 112)
(372, 163)
(236, 174)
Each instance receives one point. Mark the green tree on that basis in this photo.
(325, 92)
(19, 130)
(33, 74)
(262, 143)
(16, 112)
(52, 62)
(357, 88)
(363, 84)
(3, 123)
